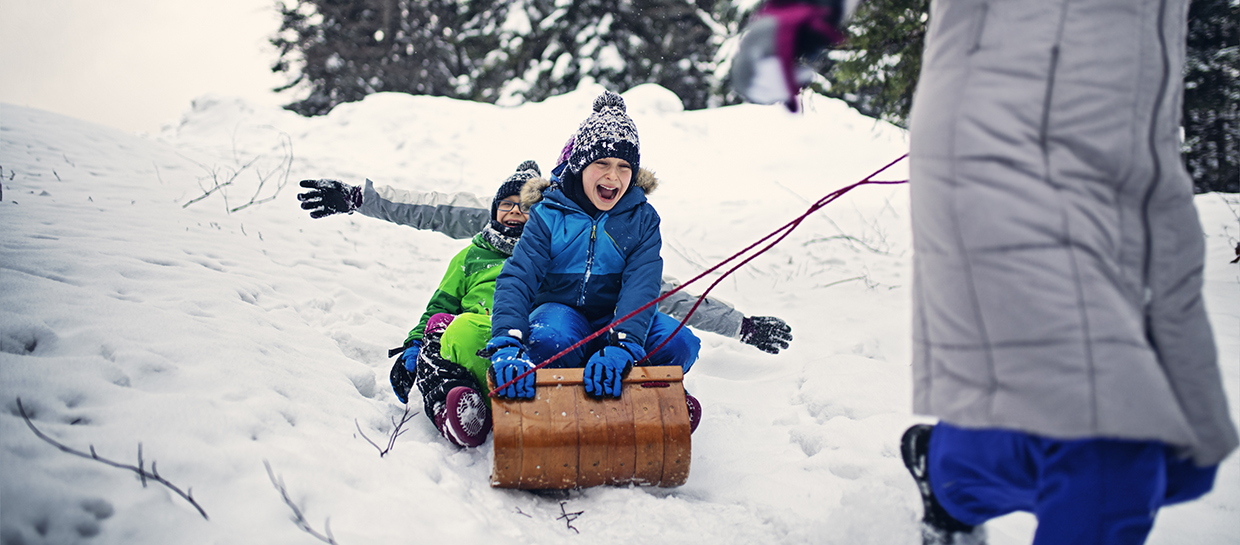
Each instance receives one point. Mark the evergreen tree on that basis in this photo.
(620, 44)
(342, 50)
(1212, 96)
(495, 51)
(876, 70)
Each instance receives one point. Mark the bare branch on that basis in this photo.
(218, 186)
(397, 431)
(283, 170)
(848, 238)
(93, 456)
(568, 518)
(300, 519)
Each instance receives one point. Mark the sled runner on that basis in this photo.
(565, 439)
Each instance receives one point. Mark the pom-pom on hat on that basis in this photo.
(608, 132)
(512, 186)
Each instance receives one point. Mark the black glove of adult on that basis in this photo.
(768, 333)
(327, 197)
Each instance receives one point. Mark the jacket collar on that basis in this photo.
(536, 189)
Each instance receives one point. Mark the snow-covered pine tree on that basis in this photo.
(495, 51)
(618, 44)
(876, 70)
(339, 51)
(1212, 96)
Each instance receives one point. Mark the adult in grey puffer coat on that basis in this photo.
(1058, 255)
(1059, 330)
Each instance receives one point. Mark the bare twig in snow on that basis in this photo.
(300, 519)
(281, 171)
(397, 431)
(848, 238)
(153, 474)
(214, 175)
(568, 518)
(221, 179)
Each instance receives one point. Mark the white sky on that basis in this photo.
(135, 64)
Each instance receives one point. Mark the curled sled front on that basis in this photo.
(565, 439)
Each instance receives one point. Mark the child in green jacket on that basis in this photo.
(441, 357)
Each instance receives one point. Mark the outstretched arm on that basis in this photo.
(458, 215)
(767, 333)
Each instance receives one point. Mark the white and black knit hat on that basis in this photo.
(512, 186)
(608, 132)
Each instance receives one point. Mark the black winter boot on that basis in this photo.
(937, 526)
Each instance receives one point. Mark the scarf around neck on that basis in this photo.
(502, 237)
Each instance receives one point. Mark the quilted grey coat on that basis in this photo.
(1058, 255)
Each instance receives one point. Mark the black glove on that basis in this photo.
(327, 197)
(402, 380)
(768, 333)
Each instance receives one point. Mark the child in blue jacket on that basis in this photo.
(589, 254)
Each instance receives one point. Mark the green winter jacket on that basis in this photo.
(467, 286)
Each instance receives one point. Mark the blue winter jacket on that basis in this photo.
(602, 267)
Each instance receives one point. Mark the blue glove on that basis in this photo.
(410, 357)
(508, 360)
(608, 367)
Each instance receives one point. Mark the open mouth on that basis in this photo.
(513, 223)
(608, 193)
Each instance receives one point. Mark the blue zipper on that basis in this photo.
(581, 300)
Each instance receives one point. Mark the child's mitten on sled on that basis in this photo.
(508, 361)
(607, 368)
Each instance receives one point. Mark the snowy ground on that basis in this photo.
(131, 314)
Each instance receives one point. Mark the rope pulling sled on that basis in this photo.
(565, 439)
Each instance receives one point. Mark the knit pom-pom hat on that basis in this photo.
(512, 186)
(608, 132)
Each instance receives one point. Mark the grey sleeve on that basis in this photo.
(458, 215)
(712, 315)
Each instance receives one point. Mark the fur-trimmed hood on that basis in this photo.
(532, 191)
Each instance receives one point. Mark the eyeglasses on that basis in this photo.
(507, 206)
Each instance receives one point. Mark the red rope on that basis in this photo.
(786, 230)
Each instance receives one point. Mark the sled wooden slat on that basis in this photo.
(565, 439)
(592, 461)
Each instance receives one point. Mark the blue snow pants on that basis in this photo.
(1088, 491)
(554, 327)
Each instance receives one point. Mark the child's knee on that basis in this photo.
(554, 327)
(462, 340)
(682, 350)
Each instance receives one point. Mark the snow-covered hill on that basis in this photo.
(133, 314)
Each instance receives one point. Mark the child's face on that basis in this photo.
(514, 215)
(605, 181)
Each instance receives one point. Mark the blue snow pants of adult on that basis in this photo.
(554, 327)
(1088, 491)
